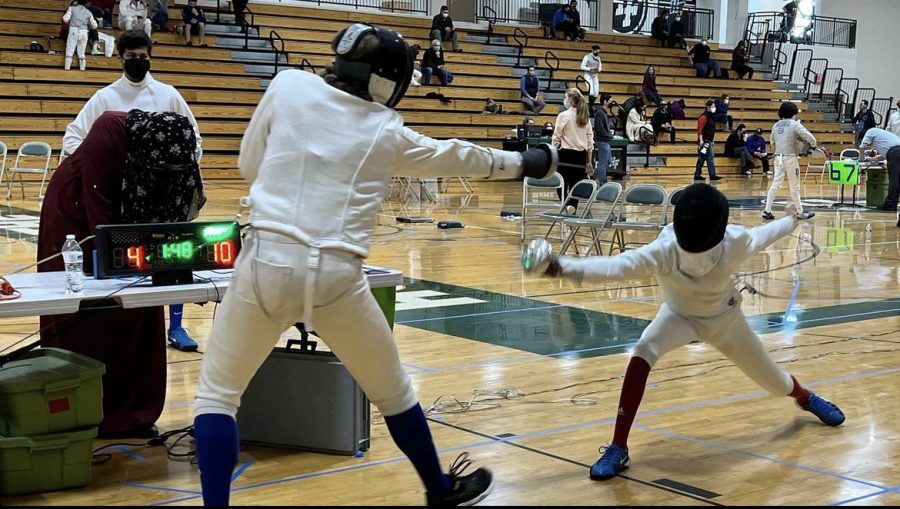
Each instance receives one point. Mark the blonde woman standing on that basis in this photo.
(574, 139)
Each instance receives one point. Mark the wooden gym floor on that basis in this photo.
(706, 435)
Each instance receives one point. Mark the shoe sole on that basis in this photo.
(184, 349)
(483, 495)
(606, 478)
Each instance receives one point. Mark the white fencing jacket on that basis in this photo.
(320, 161)
(705, 296)
(124, 95)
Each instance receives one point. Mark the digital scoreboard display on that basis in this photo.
(147, 249)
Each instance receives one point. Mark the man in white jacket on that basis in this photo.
(302, 257)
(136, 89)
(694, 261)
(80, 20)
(591, 65)
(133, 16)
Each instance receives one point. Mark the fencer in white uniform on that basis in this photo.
(591, 65)
(319, 154)
(80, 20)
(694, 260)
(790, 140)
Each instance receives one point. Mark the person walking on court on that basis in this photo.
(302, 259)
(706, 137)
(693, 260)
(790, 140)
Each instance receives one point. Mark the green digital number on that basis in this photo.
(182, 250)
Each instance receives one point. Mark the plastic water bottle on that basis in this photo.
(868, 232)
(73, 257)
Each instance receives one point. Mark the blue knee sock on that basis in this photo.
(175, 311)
(217, 451)
(411, 434)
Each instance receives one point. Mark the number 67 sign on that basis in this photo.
(843, 173)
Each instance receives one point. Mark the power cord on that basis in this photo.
(172, 450)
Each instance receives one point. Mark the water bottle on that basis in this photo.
(73, 257)
(868, 232)
(704, 148)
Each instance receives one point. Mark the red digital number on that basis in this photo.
(225, 253)
(136, 257)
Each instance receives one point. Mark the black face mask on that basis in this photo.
(137, 68)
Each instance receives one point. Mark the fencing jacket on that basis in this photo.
(80, 18)
(789, 137)
(702, 296)
(320, 162)
(124, 95)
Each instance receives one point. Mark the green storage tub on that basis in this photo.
(50, 390)
(45, 463)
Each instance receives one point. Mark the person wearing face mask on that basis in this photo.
(433, 63)
(564, 22)
(591, 65)
(136, 89)
(659, 30)
(700, 53)
(722, 116)
(676, 33)
(648, 87)
(442, 28)
(530, 86)
(739, 59)
(574, 139)
(894, 121)
(706, 135)
(863, 120)
(662, 121)
(133, 16)
(790, 140)
(693, 260)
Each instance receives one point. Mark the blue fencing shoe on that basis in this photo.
(614, 460)
(826, 411)
(180, 340)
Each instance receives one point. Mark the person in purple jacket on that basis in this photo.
(756, 145)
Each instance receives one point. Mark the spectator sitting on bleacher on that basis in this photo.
(659, 30)
(863, 121)
(433, 63)
(648, 87)
(702, 62)
(676, 33)
(133, 16)
(563, 22)
(80, 20)
(95, 37)
(756, 145)
(530, 87)
(662, 121)
(580, 33)
(416, 78)
(105, 7)
(739, 61)
(637, 125)
(159, 15)
(194, 23)
(442, 28)
(736, 147)
(722, 115)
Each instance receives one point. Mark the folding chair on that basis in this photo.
(31, 150)
(583, 191)
(674, 196)
(607, 196)
(816, 163)
(3, 152)
(643, 198)
(533, 188)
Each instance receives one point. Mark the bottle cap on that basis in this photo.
(70, 237)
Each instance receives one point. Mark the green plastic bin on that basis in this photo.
(45, 463)
(877, 183)
(50, 390)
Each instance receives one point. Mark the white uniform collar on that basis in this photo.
(699, 264)
(148, 79)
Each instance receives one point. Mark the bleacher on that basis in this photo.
(224, 82)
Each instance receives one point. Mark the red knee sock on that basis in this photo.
(630, 399)
(799, 393)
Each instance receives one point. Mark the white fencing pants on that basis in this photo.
(77, 41)
(593, 81)
(786, 165)
(132, 23)
(729, 333)
(267, 296)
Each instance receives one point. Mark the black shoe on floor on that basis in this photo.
(699, 179)
(467, 489)
(715, 177)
